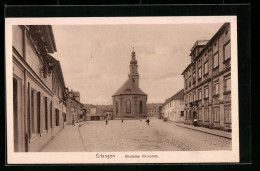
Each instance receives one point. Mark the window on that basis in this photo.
(128, 106)
(194, 77)
(199, 70)
(206, 114)
(194, 96)
(133, 80)
(141, 107)
(46, 112)
(32, 112)
(227, 51)
(64, 117)
(227, 113)
(216, 114)
(216, 88)
(206, 92)
(227, 83)
(199, 114)
(182, 113)
(51, 106)
(116, 107)
(206, 69)
(189, 80)
(38, 111)
(199, 94)
(215, 60)
(186, 83)
(189, 98)
(57, 117)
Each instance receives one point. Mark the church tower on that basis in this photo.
(134, 76)
(130, 101)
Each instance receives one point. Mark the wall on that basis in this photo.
(134, 106)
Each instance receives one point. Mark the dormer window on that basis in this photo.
(128, 89)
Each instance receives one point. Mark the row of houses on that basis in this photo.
(42, 104)
(101, 112)
(206, 96)
(98, 112)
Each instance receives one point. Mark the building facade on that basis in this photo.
(207, 82)
(130, 101)
(153, 110)
(75, 110)
(173, 108)
(39, 95)
(98, 112)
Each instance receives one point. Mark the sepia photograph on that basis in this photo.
(122, 90)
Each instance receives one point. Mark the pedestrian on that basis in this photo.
(148, 121)
(106, 121)
(122, 120)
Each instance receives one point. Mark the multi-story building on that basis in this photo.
(75, 110)
(207, 81)
(153, 110)
(173, 108)
(39, 108)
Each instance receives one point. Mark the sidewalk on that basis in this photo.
(207, 130)
(68, 140)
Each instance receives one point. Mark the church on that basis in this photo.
(130, 101)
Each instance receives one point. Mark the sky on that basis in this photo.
(95, 59)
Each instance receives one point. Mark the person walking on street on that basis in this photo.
(122, 120)
(106, 121)
(148, 121)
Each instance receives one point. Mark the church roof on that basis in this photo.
(128, 88)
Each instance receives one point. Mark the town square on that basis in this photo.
(129, 87)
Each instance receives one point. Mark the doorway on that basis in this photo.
(194, 115)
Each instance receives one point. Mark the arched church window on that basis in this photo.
(133, 80)
(141, 106)
(128, 106)
(116, 107)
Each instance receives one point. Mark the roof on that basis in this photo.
(128, 88)
(153, 105)
(177, 96)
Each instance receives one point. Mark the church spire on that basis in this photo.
(133, 60)
(134, 76)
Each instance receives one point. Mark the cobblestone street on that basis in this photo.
(134, 135)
